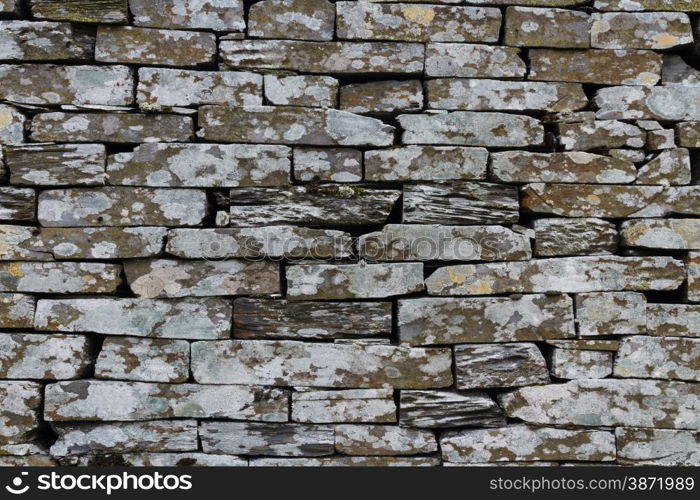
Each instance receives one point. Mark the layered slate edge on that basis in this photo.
(350, 233)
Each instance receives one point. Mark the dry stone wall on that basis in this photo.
(330, 233)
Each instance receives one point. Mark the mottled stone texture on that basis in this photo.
(349, 233)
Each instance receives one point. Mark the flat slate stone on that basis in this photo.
(163, 278)
(59, 277)
(399, 242)
(671, 234)
(44, 357)
(565, 275)
(637, 446)
(672, 358)
(16, 310)
(201, 165)
(636, 403)
(525, 443)
(94, 400)
(281, 319)
(653, 103)
(497, 95)
(144, 360)
(17, 204)
(670, 168)
(469, 128)
(121, 206)
(610, 313)
(446, 409)
(292, 126)
(382, 97)
(163, 88)
(327, 164)
(312, 205)
(344, 406)
(12, 125)
(383, 440)
(572, 364)
(460, 203)
(604, 134)
(673, 320)
(417, 23)
(110, 127)
(159, 435)
(20, 407)
(80, 85)
(189, 14)
(323, 57)
(292, 19)
(191, 319)
(56, 164)
(281, 440)
(20, 243)
(575, 167)
(81, 11)
(497, 366)
(45, 41)
(649, 30)
(147, 46)
(465, 60)
(313, 91)
(559, 28)
(434, 320)
(426, 163)
(353, 281)
(300, 364)
(602, 67)
(693, 285)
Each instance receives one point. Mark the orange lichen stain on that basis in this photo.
(480, 288)
(420, 15)
(665, 40)
(5, 119)
(15, 269)
(455, 278)
(593, 199)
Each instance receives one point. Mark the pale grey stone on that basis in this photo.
(217, 15)
(473, 61)
(383, 440)
(653, 103)
(611, 313)
(144, 360)
(20, 407)
(671, 234)
(16, 310)
(12, 124)
(59, 277)
(292, 19)
(56, 164)
(547, 27)
(344, 406)
(637, 446)
(673, 320)
(45, 41)
(580, 364)
(669, 168)
(327, 164)
(44, 357)
(674, 358)
(426, 163)
(649, 30)
(301, 90)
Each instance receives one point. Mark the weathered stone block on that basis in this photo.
(200, 319)
(292, 19)
(292, 125)
(16, 310)
(277, 319)
(99, 242)
(59, 277)
(144, 360)
(301, 90)
(323, 57)
(473, 61)
(189, 14)
(652, 30)
(331, 165)
(419, 23)
(669, 168)
(637, 5)
(611, 313)
(637, 403)
(17, 204)
(688, 134)
(121, 206)
(435, 320)
(170, 88)
(673, 320)
(382, 97)
(426, 163)
(671, 234)
(525, 443)
(94, 400)
(441, 409)
(605, 134)
(560, 28)
(693, 285)
(657, 447)
(110, 127)
(349, 406)
(320, 365)
(573, 364)
(602, 67)
(12, 124)
(198, 278)
(496, 366)
(44, 357)
(353, 281)
(565, 275)
(383, 440)
(21, 243)
(147, 46)
(648, 103)
(45, 41)
(81, 11)
(658, 140)
(20, 406)
(80, 85)
(659, 357)
(201, 165)
(56, 164)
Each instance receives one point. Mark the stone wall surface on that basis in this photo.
(349, 233)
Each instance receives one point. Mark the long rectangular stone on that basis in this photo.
(353, 281)
(45, 41)
(189, 14)
(292, 125)
(323, 57)
(81, 11)
(498, 95)
(147, 46)
(469, 128)
(649, 30)
(116, 437)
(17, 204)
(191, 319)
(445, 409)
(327, 164)
(565, 275)
(466, 60)
(548, 27)
(44, 357)
(383, 440)
(312, 205)
(601, 67)
(671, 167)
(673, 320)
(344, 406)
(426, 163)
(637, 446)
(603, 134)
(674, 358)
(59, 277)
(111, 127)
(315, 91)
(20, 407)
(16, 310)
(637, 403)
(525, 443)
(557, 237)
(56, 164)
(434, 320)
(417, 23)
(487, 366)
(399, 242)
(282, 440)
(648, 103)
(303, 364)
(383, 97)
(279, 319)
(201, 165)
(610, 313)
(639, 5)
(460, 203)
(161, 278)
(42, 84)
(671, 234)
(94, 400)
(144, 360)
(570, 364)
(171, 88)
